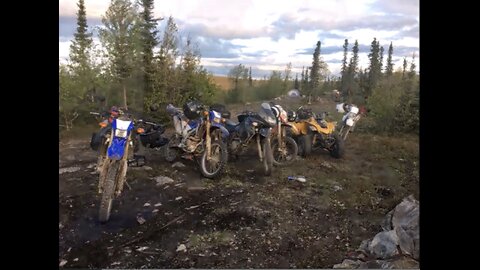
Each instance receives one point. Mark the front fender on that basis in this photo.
(224, 131)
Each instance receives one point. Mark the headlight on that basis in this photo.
(122, 133)
(272, 121)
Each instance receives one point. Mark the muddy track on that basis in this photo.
(243, 220)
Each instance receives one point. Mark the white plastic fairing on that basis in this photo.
(354, 109)
(349, 122)
(122, 124)
(340, 108)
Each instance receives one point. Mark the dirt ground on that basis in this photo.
(243, 220)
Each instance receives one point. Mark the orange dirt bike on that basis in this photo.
(314, 132)
(284, 147)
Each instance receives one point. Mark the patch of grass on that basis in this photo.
(230, 182)
(209, 183)
(199, 242)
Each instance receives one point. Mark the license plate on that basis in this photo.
(121, 133)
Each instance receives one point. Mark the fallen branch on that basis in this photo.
(150, 233)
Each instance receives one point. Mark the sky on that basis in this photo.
(269, 34)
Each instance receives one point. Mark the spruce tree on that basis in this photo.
(389, 68)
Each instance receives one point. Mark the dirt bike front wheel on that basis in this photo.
(111, 170)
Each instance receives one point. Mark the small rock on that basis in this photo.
(75, 260)
(250, 171)
(115, 263)
(384, 244)
(141, 248)
(68, 170)
(326, 164)
(146, 204)
(69, 249)
(60, 225)
(63, 262)
(158, 204)
(337, 188)
(94, 172)
(338, 237)
(140, 220)
(182, 247)
(162, 180)
(155, 210)
(178, 164)
(178, 198)
(92, 165)
(347, 264)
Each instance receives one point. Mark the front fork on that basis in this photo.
(259, 146)
(121, 174)
(208, 142)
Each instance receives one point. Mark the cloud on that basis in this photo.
(288, 25)
(409, 32)
(225, 32)
(68, 25)
(268, 34)
(216, 48)
(406, 7)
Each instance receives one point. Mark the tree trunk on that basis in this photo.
(66, 120)
(125, 96)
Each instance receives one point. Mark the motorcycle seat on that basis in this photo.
(230, 125)
(230, 122)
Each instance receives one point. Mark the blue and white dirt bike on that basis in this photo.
(114, 169)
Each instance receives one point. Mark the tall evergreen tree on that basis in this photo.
(166, 86)
(374, 69)
(82, 42)
(302, 79)
(306, 87)
(148, 36)
(250, 81)
(315, 70)
(296, 84)
(80, 53)
(344, 65)
(389, 68)
(351, 73)
(117, 37)
(412, 72)
(288, 71)
(381, 59)
(404, 67)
